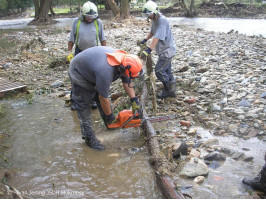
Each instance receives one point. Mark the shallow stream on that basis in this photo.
(47, 157)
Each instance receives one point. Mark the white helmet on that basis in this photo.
(150, 8)
(90, 10)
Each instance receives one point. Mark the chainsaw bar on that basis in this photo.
(160, 118)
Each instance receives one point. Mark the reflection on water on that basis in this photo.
(243, 26)
(48, 158)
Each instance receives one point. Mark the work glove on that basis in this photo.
(136, 105)
(143, 41)
(70, 57)
(110, 119)
(145, 53)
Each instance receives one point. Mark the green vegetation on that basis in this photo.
(61, 10)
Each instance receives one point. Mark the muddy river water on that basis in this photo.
(48, 159)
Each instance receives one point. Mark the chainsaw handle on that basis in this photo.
(134, 115)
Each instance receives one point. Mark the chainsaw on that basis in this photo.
(127, 119)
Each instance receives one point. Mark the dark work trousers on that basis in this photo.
(163, 69)
(77, 51)
(82, 99)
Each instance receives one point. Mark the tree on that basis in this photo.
(3, 4)
(113, 6)
(41, 12)
(51, 9)
(124, 10)
(190, 12)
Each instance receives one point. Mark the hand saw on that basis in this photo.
(127, 119)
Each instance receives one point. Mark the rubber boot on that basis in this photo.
(93, 142)
(93, 105)
(172, 88)
(258, 182)
(168, 90)
(73, 107)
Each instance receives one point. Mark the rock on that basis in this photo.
(192, 131)
(190, 100)
(195, 167)
(203, 79)
(189, 53)
(180, 149)
(248, 158)
(185, 123)
(202, 70)
(263, 95)
(243, 130)
(245, 81)
(198, 78)
(194, 153)
(56, 84)
(216, 59)
(232, 54)
(216, 108)
(227, 151)
(215, 156)
(199, 179)
(7, 65)
(224, 101)
(183, 68)
(193, 64)
(237, 155)
(214, 165)
(210, 142)
(232, 128)
(244, 103)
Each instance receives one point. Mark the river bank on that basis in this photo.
(221, 88)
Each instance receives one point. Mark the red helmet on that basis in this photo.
(131, 62)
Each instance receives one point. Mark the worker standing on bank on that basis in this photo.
(92, 79)
(165, 46)
(87, 31)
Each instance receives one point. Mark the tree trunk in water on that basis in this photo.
(124, 10)
(113, 6)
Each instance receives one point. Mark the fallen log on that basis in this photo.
(161, 165)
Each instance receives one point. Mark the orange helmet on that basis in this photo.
(131, 62)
